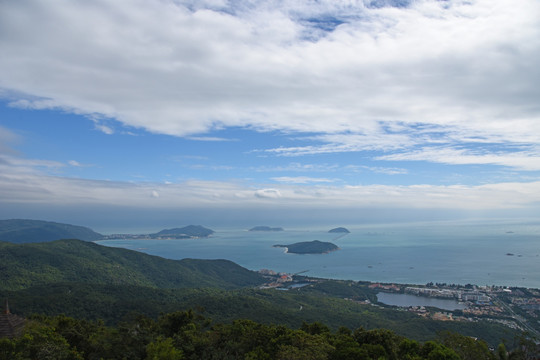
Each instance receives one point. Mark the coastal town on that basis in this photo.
(516, 308)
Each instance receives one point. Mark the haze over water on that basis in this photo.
(458, 252)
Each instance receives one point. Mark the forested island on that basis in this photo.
(310, 247)
(339, 230)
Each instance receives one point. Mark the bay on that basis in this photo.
(494, 253)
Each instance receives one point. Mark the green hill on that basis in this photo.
(115, 303)
(31, 231)
(26, 265)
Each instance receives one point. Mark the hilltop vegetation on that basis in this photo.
(26, 265)
(29, 231)
(188, 335)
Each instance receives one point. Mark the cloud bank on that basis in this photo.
(363, 75)
(21, 183)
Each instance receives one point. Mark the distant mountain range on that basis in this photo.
(21, 231)
(30, 231)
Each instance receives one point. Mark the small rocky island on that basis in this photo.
(310, 247)
(265, 228)
(341, 230)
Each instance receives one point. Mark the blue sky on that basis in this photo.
(240, 111)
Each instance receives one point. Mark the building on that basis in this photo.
(11, 325)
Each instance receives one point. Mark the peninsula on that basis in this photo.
(186, 232)
(310, 247)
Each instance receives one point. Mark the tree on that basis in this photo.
(163, 349)
(501, 352)
(466, 347)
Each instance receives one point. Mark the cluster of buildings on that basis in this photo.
(278, 279)
(389, 287)
(459, 294)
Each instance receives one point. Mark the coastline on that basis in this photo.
(398, 254)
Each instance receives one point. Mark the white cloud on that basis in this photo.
(183, 67)
(7, 138)
(386, 170)
(268, 193)
(210, 138)
(298, 167)
(520, 160)
(104, 129)
(74, 163)
(301, 179)
(28, 165)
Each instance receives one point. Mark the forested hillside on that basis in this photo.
(188, 335)
(26, 265)
(28, 231)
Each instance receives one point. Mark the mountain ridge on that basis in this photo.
(25, 265)
(21, 231)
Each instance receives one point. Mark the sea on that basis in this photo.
(502, 253)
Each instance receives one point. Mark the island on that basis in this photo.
(265, 228)
(310, 247)
(339, 230)
(189, 231)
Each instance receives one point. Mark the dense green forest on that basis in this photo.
(112, 303)
(189, 335)
(26, 265)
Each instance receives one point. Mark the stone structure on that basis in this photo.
(11, 325)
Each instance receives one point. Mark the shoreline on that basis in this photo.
(332, 267)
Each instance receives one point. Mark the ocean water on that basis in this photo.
(495, 253)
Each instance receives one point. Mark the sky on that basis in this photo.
(138, 113)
